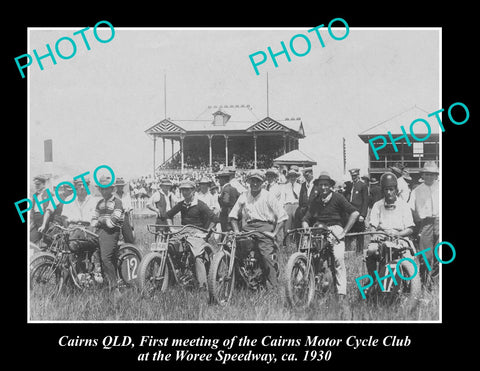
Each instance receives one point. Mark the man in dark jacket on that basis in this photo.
(307, 190)
(359, 199)
(227, 198)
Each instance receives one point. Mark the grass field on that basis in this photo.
(178, 304)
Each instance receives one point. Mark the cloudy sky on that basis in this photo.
(96, 105)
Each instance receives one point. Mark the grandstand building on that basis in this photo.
(230, 135)
(412, 156)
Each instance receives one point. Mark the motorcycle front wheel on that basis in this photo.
(300, 284)
(150, 277)
(45, 278)
(220, 284)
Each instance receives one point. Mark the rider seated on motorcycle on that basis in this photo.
(261, 212)
(194, 212)
(391, 215)
(328, 208)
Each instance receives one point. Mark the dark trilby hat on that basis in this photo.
(325, 176)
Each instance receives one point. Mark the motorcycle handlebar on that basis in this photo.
(183, 227)
(308, 230)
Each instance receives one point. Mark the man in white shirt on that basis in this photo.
(82, 209)
(393, 216)
(425, 204)
(261, 212)
(290, 198)
(127, 227)
(204, 195)
(272, 183)
(402, 176)
(160, 203)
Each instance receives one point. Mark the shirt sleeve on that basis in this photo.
(375, 215)
(173, 211)
(116, 218)
(277, 208)
(234, 213)
(407, 216)
(347, 207)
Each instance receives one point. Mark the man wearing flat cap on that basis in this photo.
(194, 212)
(39, 218)
(328, 208)
(260, 211)
(425, 205)
(108, 219)
(227, 197)
(359, 199)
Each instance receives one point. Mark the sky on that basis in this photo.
(97, 105)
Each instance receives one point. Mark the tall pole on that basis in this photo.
(268, 112)
(165, 94)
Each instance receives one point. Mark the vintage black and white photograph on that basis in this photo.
(235, 174)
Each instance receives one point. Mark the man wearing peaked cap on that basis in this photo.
(40, 214)
(425, 205)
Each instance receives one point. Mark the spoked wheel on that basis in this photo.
(220, 284)
(128, 265)
(410, 288)
(45, 278)
(300, 289)
(150, 278)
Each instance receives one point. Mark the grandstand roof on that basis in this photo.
(404, 119)
(239, 119)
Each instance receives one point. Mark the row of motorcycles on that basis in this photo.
(65, 261)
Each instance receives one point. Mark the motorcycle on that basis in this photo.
(310, 269)
(238, 257)
(68, 261)
(173, 257)
(390, 252)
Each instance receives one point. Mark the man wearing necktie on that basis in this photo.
(425, 204)
(291, 192)
(359, 199)
(306, 193)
